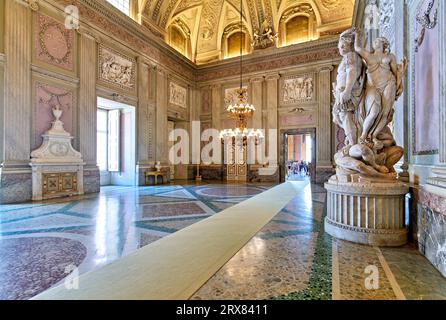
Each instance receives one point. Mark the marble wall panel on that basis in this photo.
(432, 229)
(426, 94)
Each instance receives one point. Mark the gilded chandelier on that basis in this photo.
(241, 111)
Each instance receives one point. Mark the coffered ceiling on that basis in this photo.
(206, 20)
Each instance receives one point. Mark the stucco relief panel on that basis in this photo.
(54, 44)
(116, 69)
(46, 98)
(297, 89)
(177, 95)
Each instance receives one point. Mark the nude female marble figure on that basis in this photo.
(384, 86)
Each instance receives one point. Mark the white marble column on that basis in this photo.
(324, 152)
(161, 117)
(88, 111)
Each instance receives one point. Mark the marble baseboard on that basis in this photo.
(92, 181)
(15, 187)
(432, 229)
(255, 176)
(213, 172)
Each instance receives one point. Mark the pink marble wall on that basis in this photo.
(54, 43)
(426, 95)
(297, 120)
(47, 97)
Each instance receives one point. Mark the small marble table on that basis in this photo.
(155, 175)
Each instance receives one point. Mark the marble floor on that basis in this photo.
(290, 258)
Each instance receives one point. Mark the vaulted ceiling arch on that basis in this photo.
(207, 19)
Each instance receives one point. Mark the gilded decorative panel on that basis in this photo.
(116, 69)
(54, 44)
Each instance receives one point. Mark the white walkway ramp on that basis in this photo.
(176, 266)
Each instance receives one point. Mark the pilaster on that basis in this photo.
(15, 173)
(257, 101)
(161, 117)
(88, 111)
(271, 101)
(324, 152)
(216, 106)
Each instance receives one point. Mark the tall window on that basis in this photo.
(234, 44)
(297, 30)
(177, 40)
(108, 151)
(123, 5)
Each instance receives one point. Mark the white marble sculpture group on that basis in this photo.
(368, 84)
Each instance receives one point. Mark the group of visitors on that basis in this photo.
(300, 167)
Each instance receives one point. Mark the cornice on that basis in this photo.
(55, 75)
(274, 53)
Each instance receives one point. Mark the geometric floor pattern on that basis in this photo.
(290, 258)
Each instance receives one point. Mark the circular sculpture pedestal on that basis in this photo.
(369, 213)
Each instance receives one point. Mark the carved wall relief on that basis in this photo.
(116, 69)
(54, 43)
(297, 89)
(177, 95)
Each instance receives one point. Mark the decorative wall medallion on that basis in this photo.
(54, 43)
(297, 89)
(116, 69)
(177, 95)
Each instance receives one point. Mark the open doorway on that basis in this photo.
(300, 155)
(116, 155)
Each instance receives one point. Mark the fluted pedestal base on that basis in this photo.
(366, 212)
